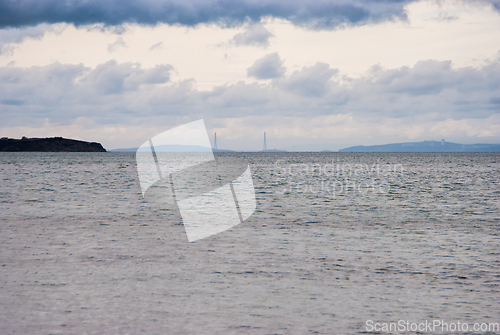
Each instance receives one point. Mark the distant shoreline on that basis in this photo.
(60, 144)
(425, 146)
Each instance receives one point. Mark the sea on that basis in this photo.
(339, 243)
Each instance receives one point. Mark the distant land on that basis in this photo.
(49, 144)
(425, 146)
(175, 148)
(273, 150)
(186, 148)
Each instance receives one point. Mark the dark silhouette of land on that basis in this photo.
(49, 144)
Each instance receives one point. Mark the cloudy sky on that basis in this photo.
(314, 76)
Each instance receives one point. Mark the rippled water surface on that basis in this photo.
(337, 239)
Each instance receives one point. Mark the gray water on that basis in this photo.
(411, 237)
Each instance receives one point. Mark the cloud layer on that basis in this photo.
(128, 94)
(316, 14)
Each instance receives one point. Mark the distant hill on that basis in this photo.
(49, 144)
(425, 146)
(176, 148)
(124, 150)
(273, 150)
(180, 148)
(222, 150)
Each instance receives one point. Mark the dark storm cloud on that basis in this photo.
(315, 14)
(267, 67)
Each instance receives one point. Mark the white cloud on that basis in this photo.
(119, 43)
(268, 67)
(311, 80)
(9, 38)
(254, 35)
(158, 45)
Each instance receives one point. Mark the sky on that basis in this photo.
(323, 75)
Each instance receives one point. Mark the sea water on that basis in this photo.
(338, 242)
